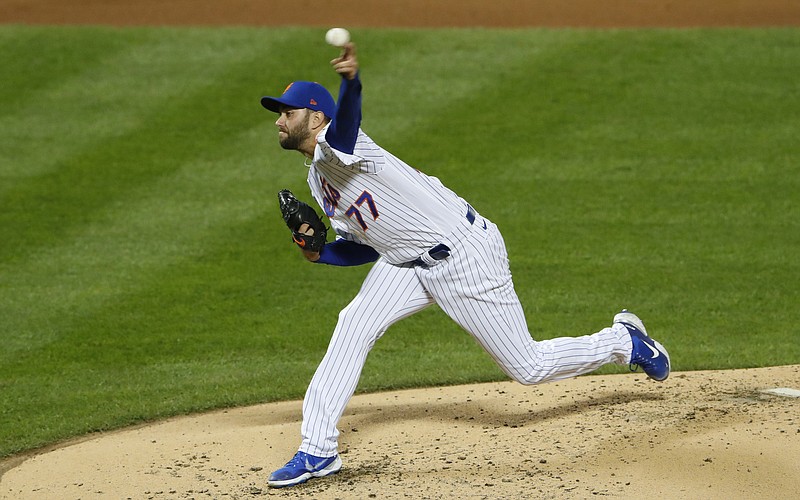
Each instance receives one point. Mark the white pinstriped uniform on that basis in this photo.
(406, 213)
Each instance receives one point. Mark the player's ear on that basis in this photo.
(318, 120)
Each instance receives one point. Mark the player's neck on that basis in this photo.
(308, 147)
(307, 150)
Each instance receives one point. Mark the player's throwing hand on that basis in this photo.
(347, 63)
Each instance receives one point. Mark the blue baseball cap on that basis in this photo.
(301, 94)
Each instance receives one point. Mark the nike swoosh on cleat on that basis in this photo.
(655, 351)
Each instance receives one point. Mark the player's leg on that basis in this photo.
(388, 294)
(474, 287)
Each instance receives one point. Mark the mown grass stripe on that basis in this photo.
(172, 115)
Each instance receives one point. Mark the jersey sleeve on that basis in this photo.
(342, 143)
(343, 130)
(342, 252)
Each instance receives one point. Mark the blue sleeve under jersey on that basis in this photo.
(343, 130)
(346, 253)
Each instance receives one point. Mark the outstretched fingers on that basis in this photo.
(347, 63)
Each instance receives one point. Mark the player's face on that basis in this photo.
(293, 127)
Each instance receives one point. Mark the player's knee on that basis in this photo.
(529, 377)
(529, 380)
(355, 326)
(348, 315)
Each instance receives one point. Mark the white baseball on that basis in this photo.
(337, 37)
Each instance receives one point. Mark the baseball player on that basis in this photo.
(428, 246)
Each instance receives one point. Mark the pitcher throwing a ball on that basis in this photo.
(428, 246)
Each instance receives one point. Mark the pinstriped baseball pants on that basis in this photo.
(474, 287)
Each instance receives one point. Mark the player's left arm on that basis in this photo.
(347, 63)
(343, 130)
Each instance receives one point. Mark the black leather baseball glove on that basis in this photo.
(307, 228)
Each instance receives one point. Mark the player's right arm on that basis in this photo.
(342, 252)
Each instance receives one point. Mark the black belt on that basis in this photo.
(439, 252)
(442, 251)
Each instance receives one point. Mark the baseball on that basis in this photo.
(337, 37)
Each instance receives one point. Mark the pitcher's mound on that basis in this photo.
(714, 434)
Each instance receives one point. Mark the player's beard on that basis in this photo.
(295, 137)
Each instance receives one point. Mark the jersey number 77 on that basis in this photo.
(354, 211)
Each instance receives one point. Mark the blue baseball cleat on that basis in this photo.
(303, 467)
(647, 353)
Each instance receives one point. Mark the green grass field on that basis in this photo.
(145, 270)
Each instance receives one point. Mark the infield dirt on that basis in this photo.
(709, 435)
(699, 435)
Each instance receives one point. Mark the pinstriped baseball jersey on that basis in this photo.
(394, 208)
(373, 198)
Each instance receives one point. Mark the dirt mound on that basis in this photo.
(712, 434)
